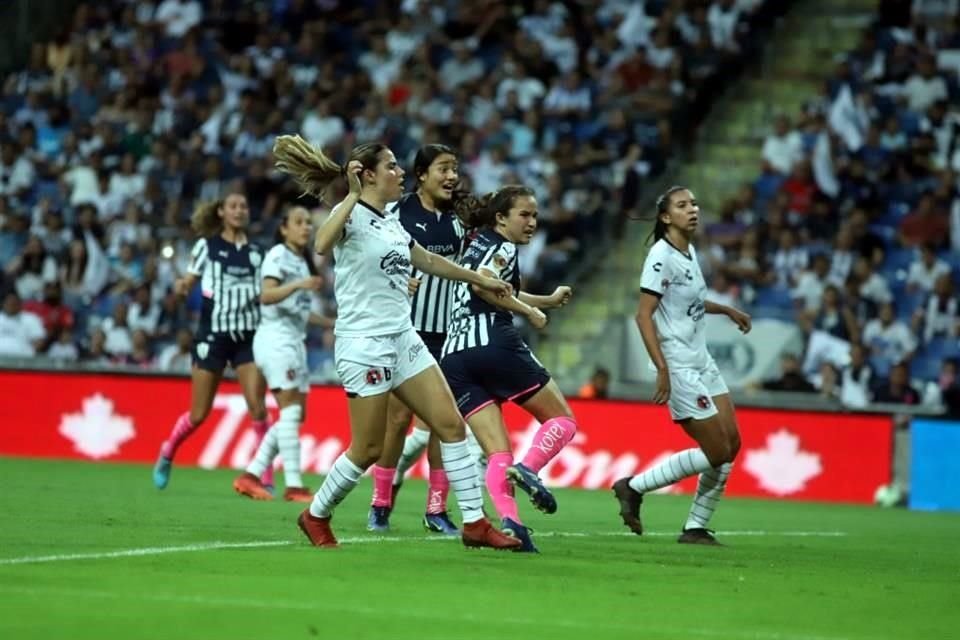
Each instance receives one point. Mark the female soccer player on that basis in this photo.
(377, 349)
(228, 266)
(288, 276)
(671, 321)
(487, 363)
(426, 215)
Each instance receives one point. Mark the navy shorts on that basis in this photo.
(212, 352)
(485, 375)
(434, 342)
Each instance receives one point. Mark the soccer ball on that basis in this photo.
(888, 495)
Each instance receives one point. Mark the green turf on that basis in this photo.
(893, 574)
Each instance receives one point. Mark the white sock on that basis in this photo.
(288, 441)
(413, 447)
(709, 489)
(343, 477)
(677, 467)
(462, 474)
(265, 453)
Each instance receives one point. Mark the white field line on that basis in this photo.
(432, 616)
(212, 546)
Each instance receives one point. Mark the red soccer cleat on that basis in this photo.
(247, 484)
(317, 530)
(482, 534)
(297, 494)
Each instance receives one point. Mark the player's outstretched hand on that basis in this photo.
(561, 296)
(537, 318)
(354, 169)
(494, 285)
(412, 285)
(741, 319)
(663, 387)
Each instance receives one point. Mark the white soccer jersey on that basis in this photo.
(287, 319)
(372, 268)
(675, 278)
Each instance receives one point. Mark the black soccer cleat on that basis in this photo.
(698, 535)
(630, 501)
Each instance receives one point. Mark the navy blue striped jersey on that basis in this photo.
(230, 283)
(475, 322)
(443, 234)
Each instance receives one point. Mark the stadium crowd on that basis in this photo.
(852, 229)
(138, 110)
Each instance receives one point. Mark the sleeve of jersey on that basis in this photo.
(271, 266)
(198, 257)
(498, 259)
(655, 278)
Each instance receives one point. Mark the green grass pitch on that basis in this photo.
(94, 551)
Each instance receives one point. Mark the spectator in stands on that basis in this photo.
(598, 387)
(827, 382)
(871, 286)
(948, 384)
(176, 358)
(21, 332)
(64, 348)
(790, 260)
(791, 377)
(56, 316)
(939, 317)
(925, 270)
(856, 379)
(925, 86)
(33, 268)
(897, 388)
(116, 328)
(832, 317)
(783, 148)
(890, 340)
(811, 283)
(926, 225)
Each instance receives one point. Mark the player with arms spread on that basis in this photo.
(671, 321)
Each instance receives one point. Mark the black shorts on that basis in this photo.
(485, 375)
(434, 342)
(213, 351)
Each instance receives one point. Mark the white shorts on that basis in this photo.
(375, 365)
(692, 392)
(282, 362)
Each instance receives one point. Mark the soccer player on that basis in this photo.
(427, 216)
(487, 363)
(377, 349)
(288, 277)
(671, 321)
(228, 267)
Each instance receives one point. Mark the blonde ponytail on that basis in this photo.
(307, 164)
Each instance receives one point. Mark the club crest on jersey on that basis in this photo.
(703, 402)
(203, 350)
(376, 376)
(499, 261)
(665, 283)
(255, 259)
(291, 375)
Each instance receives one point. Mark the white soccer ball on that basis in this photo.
(888, 495)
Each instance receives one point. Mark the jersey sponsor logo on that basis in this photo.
(422, 226)
(395, 263)
(223, 254)
(696, 311)
(442, 248)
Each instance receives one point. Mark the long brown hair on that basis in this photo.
(205, 220)
(310, 166)
(481, 211)
(663, 205)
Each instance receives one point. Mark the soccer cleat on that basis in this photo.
(698, 535)
(297, 494)
(161, 472)
(317, 530)
(482, 534)
(379, 519)
(630, 501)
(247, 484)
(521, 476)
(440, 523)
(516, 530)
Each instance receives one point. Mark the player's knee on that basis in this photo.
(718, 453)
(365, 454)
(450, 428)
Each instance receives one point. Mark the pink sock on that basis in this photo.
(382, 486)
(260, 427)
(499, 488)
(554, 434)
(437, 491)
(181, 431)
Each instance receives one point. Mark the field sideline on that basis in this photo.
(94, 551)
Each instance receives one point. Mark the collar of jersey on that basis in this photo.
(685, 255)
(371, 207)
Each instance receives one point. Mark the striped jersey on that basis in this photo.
(475, 322)
(230, 283)
(441, 233)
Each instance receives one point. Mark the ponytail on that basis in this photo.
(308, 165)
(663, 204)
(205, 222)
(278, 238)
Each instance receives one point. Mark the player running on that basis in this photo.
(671, 321)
